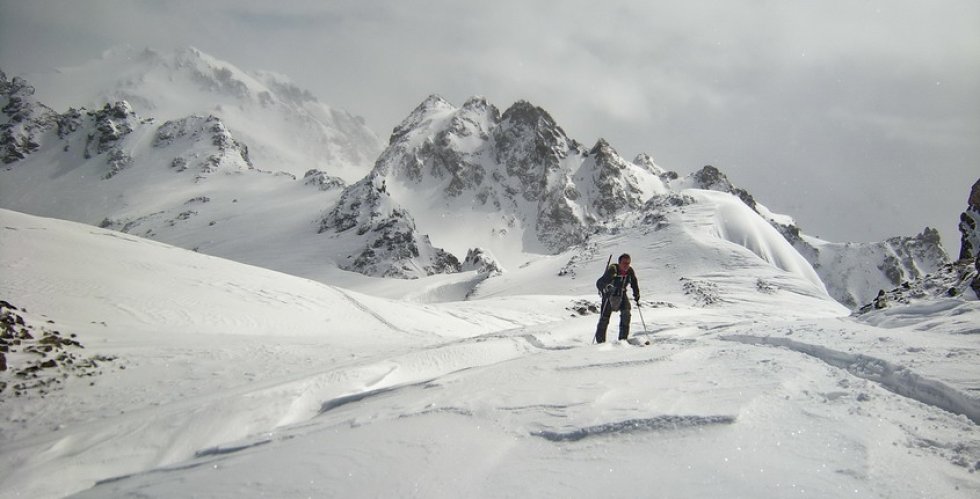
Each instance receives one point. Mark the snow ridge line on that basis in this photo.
(895, 378)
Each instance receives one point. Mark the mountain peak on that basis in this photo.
(524, 113)
(434, 102)
(424, 113)
(602, 148)
(290, 128)
(646, 162)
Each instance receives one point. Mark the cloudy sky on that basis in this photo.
(860, 118)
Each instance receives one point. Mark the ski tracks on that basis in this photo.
(895, 378)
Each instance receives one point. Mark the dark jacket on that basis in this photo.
(618, 283)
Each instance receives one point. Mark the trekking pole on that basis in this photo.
(640, 310)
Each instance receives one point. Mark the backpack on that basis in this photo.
(618, 282)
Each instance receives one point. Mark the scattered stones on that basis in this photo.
(583, 307)
(37, 360)
(704, 293)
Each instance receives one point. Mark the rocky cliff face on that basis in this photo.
(389, 244)
(518, 166)
(970, 226)
(25, 119)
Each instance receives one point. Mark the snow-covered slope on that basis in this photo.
(219, 379)
(853, 272)
(511, 187)
(286, 127)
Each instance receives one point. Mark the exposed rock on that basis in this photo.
(970, 226)
(481, 261)
(215, 147)
(24, 120)
(322, 180)
(616, 193)
(392, 246)
(949, 281)
(36, 360)
(710, 178)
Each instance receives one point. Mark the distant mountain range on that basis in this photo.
(192, 151)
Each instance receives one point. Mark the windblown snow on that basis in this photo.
(220, 379)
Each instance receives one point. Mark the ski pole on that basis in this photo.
(640, 310)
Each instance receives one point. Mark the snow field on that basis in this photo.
(239, 381)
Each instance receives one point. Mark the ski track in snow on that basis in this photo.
(895, 378)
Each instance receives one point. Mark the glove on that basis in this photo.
(636, 298)
(608, 289)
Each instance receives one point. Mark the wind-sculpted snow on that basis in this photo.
(851, 272)
(737, 223)
(243, 381)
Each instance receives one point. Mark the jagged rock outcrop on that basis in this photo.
(481, 261)
(615, 193)
(530, 146)
(27, 122)
(970, 235)
(390, 245)
(323, 181)
(109, 126)
(970, 226)
(712, 179)
(951, 280)
(206, 144)
(24, 120)
(518, 170)
(519, 167)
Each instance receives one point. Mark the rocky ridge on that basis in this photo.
(26, 119)
(519, 168)
(516, 175)
(959, 279)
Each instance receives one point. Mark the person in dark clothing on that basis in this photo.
(612, 287)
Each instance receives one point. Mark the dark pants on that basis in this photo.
(624, 320)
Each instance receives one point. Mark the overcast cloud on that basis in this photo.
(859, 118)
